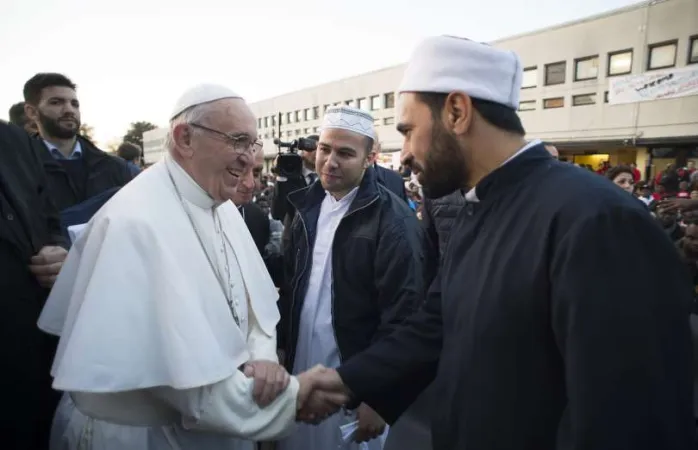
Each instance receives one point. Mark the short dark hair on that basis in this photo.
(613, 172)
(496, 114)
(40, 81)
(313, 137)
(128, 151)
(17, 115)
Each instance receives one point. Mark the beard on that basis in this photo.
(54, 127)
(444, 168)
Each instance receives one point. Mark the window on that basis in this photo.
(375, 102)
(693, 50)
(557, 102)
(259, 123)
(324, 108)
(288, 118)
(389, 100)
(530, 78)
(620, 63)
(298, 116)
(316, 112)
(555, 73)
(306, 114)
(528, 105)
(363, 104)
(266, 122)
(605, 97)
(349, 103)
(298, 132)
(306, 131)
(273, 133)
(662, 55)
(289, 133)
(388, 120)
(315, 129)
(273, 121)
(266, 136)
(376, 122)
(586, 68)
(584, 99)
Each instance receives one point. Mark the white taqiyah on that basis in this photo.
(446, 64)
(198, 95)
(349, 118)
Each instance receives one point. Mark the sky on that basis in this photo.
(131, 59)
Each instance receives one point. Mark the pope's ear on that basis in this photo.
(182, 135)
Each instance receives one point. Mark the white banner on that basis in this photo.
(655, 85)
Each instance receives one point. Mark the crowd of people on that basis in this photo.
(466, 300)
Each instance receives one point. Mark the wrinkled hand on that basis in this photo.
(270, 380)
(321, 394)
(371, 425)
(46, 264)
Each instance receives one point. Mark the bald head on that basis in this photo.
(552, 150)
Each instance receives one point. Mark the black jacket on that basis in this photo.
(28, 222)
(544, 337)
(438, 217)
(376, 266)
(258, 224)
(104, 172)
(391, 180)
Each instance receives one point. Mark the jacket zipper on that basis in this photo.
(334, 326)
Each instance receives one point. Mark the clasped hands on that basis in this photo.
(46, 264)
(321, 393)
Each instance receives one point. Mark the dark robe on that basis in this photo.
(559, 320)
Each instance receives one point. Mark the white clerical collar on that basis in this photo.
(347, 199)
(189, 188)
(471, 195)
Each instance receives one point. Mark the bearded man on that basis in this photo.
(76, 169)
(559, 316)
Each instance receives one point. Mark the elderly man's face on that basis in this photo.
(250, 182)
(432, 152)
(218, 150)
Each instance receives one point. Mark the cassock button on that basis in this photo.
(10, 217)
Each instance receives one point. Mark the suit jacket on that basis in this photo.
(391, 180)
(258, 224)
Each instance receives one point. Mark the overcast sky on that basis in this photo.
(132, 59)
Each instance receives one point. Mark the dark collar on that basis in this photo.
(90, 153)
(513, 172)
(313, 195)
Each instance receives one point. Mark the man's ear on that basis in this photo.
(182, 136)
(459, 111)
(370, 159)
(32, 112)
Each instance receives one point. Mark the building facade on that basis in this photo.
(576, 82)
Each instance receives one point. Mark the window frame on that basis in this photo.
(650, 47)
(593, 94)
(534, 102)
(584, 59)
(692, 41)
(619, 52)
(554, 98)
(545, 77)
(390, 95)
(524, 72)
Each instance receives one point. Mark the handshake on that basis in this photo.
(321, 394)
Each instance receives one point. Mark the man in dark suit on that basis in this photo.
(389, 178)
(31, 254)
(256, 220)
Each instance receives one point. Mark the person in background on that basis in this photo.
(637, 176)
(668, 218)
(76, 169)
(31, 255)
(387, 177)
(683, 190)
(131, 153)
(622, 176)
(19, 117)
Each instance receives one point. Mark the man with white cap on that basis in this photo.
(165, 311)
(353, 269)
(541, 335)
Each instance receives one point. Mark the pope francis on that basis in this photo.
(165, 311)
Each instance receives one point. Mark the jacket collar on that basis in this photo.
(313, 195)
(90, 153)
(513, 172)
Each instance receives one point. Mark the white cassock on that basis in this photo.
(316, 342)
(149, 346)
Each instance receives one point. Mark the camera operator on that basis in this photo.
(289, 178)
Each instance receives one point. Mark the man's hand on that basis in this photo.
(371, 425)
(321, 394)
(46, 264)
(677, 204)
(270, 380)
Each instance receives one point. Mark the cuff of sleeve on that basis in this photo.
(352, 379)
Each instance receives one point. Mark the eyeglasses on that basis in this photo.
(239, 143)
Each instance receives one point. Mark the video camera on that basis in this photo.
(290, 164)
